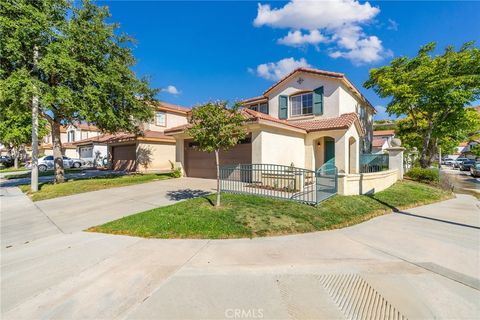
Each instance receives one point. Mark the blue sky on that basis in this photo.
(235, 50)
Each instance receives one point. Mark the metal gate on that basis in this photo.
(278, 181)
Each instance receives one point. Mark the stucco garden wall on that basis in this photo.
(366, 183)
(155, 156)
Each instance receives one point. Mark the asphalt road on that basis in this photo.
(463, 182)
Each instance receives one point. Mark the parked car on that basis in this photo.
(458, 162)
(475, 170)
(47, 163)
(448, 161)
(6, 161)
(467, 164)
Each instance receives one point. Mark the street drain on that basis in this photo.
(357, 299)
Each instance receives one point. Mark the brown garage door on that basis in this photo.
(202, 164)
(124, 157)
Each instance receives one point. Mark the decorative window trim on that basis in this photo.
(300, 94)
(156, 119)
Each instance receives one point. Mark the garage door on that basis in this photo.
(124, 158)
(202, 164)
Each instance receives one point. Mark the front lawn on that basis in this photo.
(251, 216)
(12, 169)
(50, 190)
(41, 174)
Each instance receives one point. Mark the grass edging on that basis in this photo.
(49, 190)
(247, 216)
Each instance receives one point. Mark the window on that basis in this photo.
(261, 107)
(71, 136)
(161, 118)
(302, 104)
(49, 158)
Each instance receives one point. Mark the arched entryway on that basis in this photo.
(324, 151)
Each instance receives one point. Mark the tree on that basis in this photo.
(215, 127)
(83, 72)
(447, 136)
(431, 91)
(16, 130)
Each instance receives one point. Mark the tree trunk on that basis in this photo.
(425, 161)
(34, 175)
(57, 153)
(15, 159)
(217, 203)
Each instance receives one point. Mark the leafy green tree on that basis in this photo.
(82, 71)
(16, 130)
(432, 91)
(215, 127)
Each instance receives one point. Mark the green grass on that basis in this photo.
(50, 190)
(251, 216)
(12, 169)
(40, 174)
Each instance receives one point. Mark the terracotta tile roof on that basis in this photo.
(345, 121)
(378, 142)
(254, 99)
(179, 128)
(330, 74)
(86, 127)
(124, 136)
(251, 115)
(384, 132)
(463, 144)
(171, 107)
(65, 145)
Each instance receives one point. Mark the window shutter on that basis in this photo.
(283, 107)
(318, 101)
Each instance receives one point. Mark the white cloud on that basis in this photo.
(297, 38)
(336, 23)
(171, 89)
(277, 70)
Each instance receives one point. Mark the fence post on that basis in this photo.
(395, 160)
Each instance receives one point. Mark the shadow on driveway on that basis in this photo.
(183, 194)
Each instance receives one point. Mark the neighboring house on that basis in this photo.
(464, 148)
(69, 135)
(382, 139)
(306, 119)
(151, 151)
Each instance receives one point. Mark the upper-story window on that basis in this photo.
(302, 104)
(260, 107)
(161, 118)
(71, 136)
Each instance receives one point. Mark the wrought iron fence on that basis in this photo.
(373, 162)
(278, 181)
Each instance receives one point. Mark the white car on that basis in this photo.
(47, 163)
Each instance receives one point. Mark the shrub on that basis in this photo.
(423, 175)
(176, 173)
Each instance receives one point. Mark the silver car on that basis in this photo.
(47, 163)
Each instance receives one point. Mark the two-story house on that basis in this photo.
(151, 151)
(308, 118)
(68, 135)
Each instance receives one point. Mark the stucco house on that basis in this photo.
(150, 151)
(68, 135)
(382, 140)
(306, 119)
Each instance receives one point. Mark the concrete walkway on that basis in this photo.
(410, 264)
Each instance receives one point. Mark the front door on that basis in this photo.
(329, 149)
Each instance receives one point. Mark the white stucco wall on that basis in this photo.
(274, 146)
(331, 93)
(173, 120)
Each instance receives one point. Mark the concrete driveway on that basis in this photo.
(423, 263)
